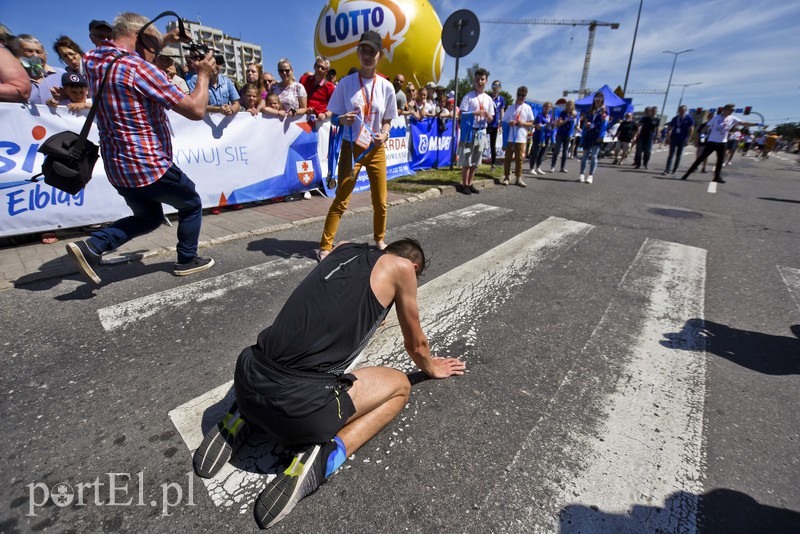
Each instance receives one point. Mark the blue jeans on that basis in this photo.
(562, 143)
(590, 152)
(175, 189)
(675, 150)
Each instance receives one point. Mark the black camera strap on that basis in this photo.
(181, 30)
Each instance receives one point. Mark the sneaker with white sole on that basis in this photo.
(520, 183)
(220, 443)
(85, 258)
(564, 170)
(304, 475)
(582, 178)
(552, 169)
(589, 179)
(505, 180)
(195, 265)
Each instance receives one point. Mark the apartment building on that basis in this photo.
(236, 52)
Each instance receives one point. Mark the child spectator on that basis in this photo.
(251, 99)
(273, 107)
(76, 91)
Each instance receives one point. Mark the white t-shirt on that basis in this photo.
(349, 95)
(719, 126)
(474, 102)
(523, 113)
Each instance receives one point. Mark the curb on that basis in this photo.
(59, 273)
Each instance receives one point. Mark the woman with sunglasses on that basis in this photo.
(294, 99)
(363, 106)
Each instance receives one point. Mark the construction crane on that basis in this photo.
(593, 24)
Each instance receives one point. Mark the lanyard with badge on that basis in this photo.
(365, 135)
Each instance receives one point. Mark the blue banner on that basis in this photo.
(431, 141)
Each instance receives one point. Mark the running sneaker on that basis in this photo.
(195, 265)
(520, 183)
(85, 259)
(220, 443)
(589, 179)
(582, 178)
(304, 475)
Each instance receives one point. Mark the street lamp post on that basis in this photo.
(684, 85)
(666, 94)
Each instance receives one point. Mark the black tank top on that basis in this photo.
(328, 319)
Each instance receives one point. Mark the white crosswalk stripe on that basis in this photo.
(791, 277)
(640, 471)
(443, 304)
(132, 311)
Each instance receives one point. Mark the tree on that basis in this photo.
(788, 130)
(465, 85)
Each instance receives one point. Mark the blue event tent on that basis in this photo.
(617, 107)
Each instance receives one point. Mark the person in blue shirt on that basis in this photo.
(565, 129)
(222, 94)
(679, 130)
(491, 128)
(595, 122)
(543, 133)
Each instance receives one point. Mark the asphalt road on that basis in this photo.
(633, 352)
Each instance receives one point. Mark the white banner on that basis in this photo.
(234, 159)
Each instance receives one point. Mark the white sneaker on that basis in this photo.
(582, 178)
(505, 180)
(540, 171)
(564, 170)
(520, 183)
(589, 179)
(552, 169)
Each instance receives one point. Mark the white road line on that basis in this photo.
(126, 313)
(640, 471)
(791, 277)
(712, 187)
(471, 290)
(132, 311)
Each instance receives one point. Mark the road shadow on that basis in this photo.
(284, 248)
(764, 353)
(52, 273)
(790, 201)
(719, 511)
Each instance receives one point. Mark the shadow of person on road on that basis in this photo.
(720, 511)
(283, 248)
(764, 353)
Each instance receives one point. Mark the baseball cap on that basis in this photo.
(99, 24)
(372, 39)
(73, 78)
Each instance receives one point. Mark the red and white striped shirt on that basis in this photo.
(134, 130)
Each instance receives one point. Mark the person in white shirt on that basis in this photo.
(363, 104)
(718, 129)
(477, 110)
(519, 117)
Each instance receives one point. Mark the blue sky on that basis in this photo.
(745, 52)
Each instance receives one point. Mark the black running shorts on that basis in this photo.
(295, 408)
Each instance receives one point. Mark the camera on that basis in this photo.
(198, 51)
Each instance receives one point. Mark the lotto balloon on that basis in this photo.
(410, 29)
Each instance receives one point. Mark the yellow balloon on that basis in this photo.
(411, 32)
